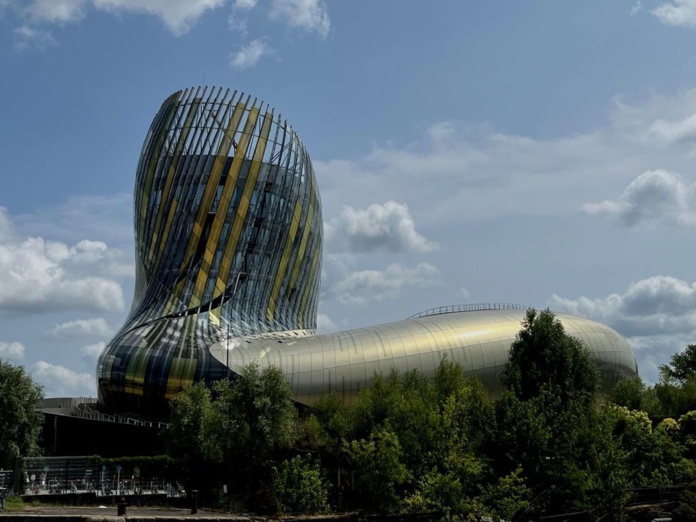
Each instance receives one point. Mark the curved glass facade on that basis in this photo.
(228, 234)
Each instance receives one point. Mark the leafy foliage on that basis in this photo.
(440, 444)
(300, 487)
(682, 365)
(544, 359)
(20, 422)
(379, 469)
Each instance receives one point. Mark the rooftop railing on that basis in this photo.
(476, 307)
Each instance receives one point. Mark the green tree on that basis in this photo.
(254, 416)
(20, 422)
(544, 357)
(189, 438)
(187, 435)
(246, 424)
(630, 393)
(504, 498)
(254, 422)
(300, 487)
(682, 365)
(379, 470)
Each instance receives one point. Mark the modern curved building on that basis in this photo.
(228, 234)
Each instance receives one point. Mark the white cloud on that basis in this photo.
(31, 37)
(362, 286)
(655, 197)
(240, 7)
(12, 350)
(657, 315)
(245, 5)
(650, 306)
(683, 130)
(81, 328)
(84, 217)
(677, 12)
(464, 292)
(56, 11)
(325, 324)
(59, 381)
(179, 16)
(454, 170)
(250, 54)
(37, 275)
(309, 15)
(90, 353)
(387, 227)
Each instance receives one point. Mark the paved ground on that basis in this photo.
(41, 512)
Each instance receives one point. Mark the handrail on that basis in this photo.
(83, 411)
(476, 307)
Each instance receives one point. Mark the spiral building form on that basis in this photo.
(228, 235)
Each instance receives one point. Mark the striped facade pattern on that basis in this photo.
(228, 234)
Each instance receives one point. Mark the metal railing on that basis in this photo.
(477, 307)
(84, 411)
(80, 475)
(85, 408)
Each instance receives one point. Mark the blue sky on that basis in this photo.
(534, 152)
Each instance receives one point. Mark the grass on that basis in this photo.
(14, 504)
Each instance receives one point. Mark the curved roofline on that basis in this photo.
(475, 307)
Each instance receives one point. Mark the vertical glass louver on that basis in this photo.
(228, 235)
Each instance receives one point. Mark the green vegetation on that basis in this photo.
(20, 422)
(14, 504)
(550, 443)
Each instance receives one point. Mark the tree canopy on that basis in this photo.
(682, 365)
(20, 422)
(544, 359)
(414, 443)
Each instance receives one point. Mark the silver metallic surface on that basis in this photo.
(479, 340)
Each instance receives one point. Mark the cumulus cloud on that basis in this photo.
(387, 227)
(245, 5)
(84, 216)
(56, 11)
(38, 275)
(655, 197)
(657, 315)
(309, 15)
(363, 286)
(325, 324)
(671, 131)
(32, 37)
(12, 350)
(650, 306)
(59, 381)
(90, 353)
(237, 20)
(81, 328)
(454, 170)
(677, 12)
(250, 54)
(179, 16)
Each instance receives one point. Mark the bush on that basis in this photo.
(300, 487)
